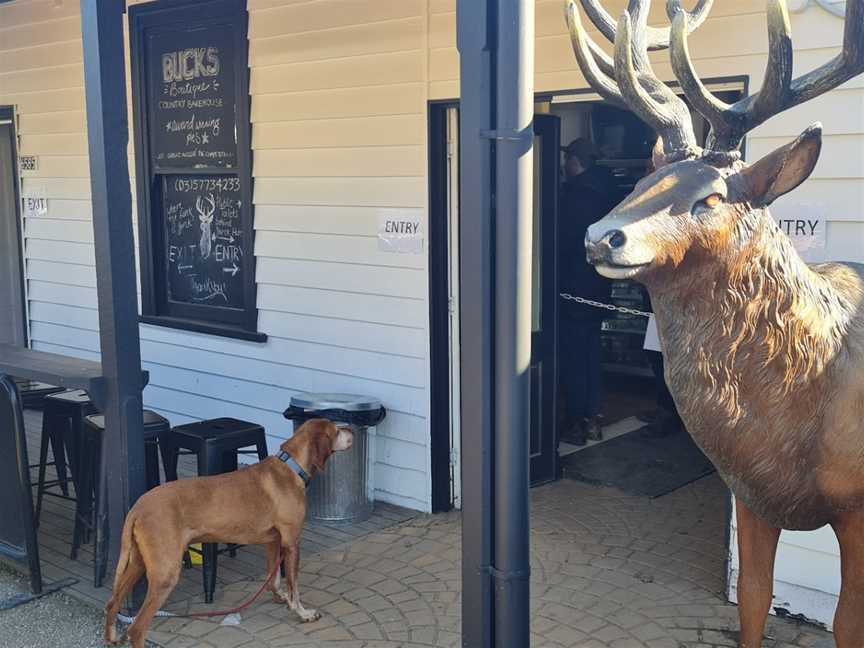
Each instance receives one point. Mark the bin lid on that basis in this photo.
(345, 402)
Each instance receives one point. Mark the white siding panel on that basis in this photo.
(62, 272)
(396, 340)
(340, 103)
(333, 247)
(366, 131)
(338, 304)
(326, 219)
(845, 240)
(369, 192)
(369, 70)
(57, 293)
(58, 230)
(842, 155)
(354, 40)
(342, 277)
(77, 253)
(340, 162)
(830, 199)
(327, 14)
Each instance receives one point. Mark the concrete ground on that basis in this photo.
(50, 622)
(608, 571)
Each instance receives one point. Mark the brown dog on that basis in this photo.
(262, 504)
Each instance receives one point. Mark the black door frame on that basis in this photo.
(439, 307)
(12, 244)
(544, 464)
(439, 312)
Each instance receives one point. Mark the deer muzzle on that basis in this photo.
(613, 253)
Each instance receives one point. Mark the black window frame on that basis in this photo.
(168, 15)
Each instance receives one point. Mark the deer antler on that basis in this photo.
(779, 92)
(658, 39)
(629, 81)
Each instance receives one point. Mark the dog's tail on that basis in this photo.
(121, 580)
(127, 540)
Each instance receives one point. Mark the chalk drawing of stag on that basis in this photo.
(206, 206)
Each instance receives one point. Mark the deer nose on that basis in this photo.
(595, 252)
(616, 239)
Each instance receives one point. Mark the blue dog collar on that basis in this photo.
(293, 465)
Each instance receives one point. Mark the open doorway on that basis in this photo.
(13, 319)
(635, 441)
(617, 422)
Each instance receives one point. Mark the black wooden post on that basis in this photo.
(496, 46)
(108, 135)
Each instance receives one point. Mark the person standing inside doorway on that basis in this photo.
(588, 193)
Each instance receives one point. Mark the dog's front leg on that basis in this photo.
(272, 570)
(291, 557)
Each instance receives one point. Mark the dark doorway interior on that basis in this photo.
(13, 326)
(636, 414)
(618, 424)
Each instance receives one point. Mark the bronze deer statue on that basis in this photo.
(764, 354)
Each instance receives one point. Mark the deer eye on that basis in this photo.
(709, 202)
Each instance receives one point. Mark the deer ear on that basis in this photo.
(782, 170)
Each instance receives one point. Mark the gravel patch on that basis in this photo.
(53, 621)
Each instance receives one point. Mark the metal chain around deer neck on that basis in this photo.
(609, 307)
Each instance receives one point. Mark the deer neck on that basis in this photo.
(755, 313)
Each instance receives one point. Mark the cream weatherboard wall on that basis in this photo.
(339, 94)
(339, 135)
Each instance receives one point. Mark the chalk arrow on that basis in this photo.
(233, 271)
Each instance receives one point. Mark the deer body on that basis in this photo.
(764, 354)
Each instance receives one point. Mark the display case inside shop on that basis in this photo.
(623, 335)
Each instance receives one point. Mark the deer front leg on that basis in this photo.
(848, 620)
(291, 595)
(757, 546)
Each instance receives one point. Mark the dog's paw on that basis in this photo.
(309, 616)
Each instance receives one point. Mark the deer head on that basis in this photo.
(206, 206)
(698, 203)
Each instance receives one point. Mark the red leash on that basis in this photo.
(242, 606)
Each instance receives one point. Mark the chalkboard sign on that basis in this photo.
(204, 239)
(191, 92)
(17, 528)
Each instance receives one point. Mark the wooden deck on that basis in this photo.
(55, 541)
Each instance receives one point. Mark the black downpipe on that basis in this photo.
(475, 36)
(496, 45)
(514, 167)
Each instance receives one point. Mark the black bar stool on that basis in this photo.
(217, 443)
(155, 427)
(33, 393)
(62, 414)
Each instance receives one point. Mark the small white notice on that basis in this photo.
(35, 206)
(400, 234)
(652, 337)
(807, 234)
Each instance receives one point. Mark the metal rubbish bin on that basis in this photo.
(344, 492)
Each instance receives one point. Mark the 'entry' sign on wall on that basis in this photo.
(400, 233)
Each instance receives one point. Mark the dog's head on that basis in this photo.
(317, 439)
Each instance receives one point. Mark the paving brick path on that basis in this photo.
(608, 570)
